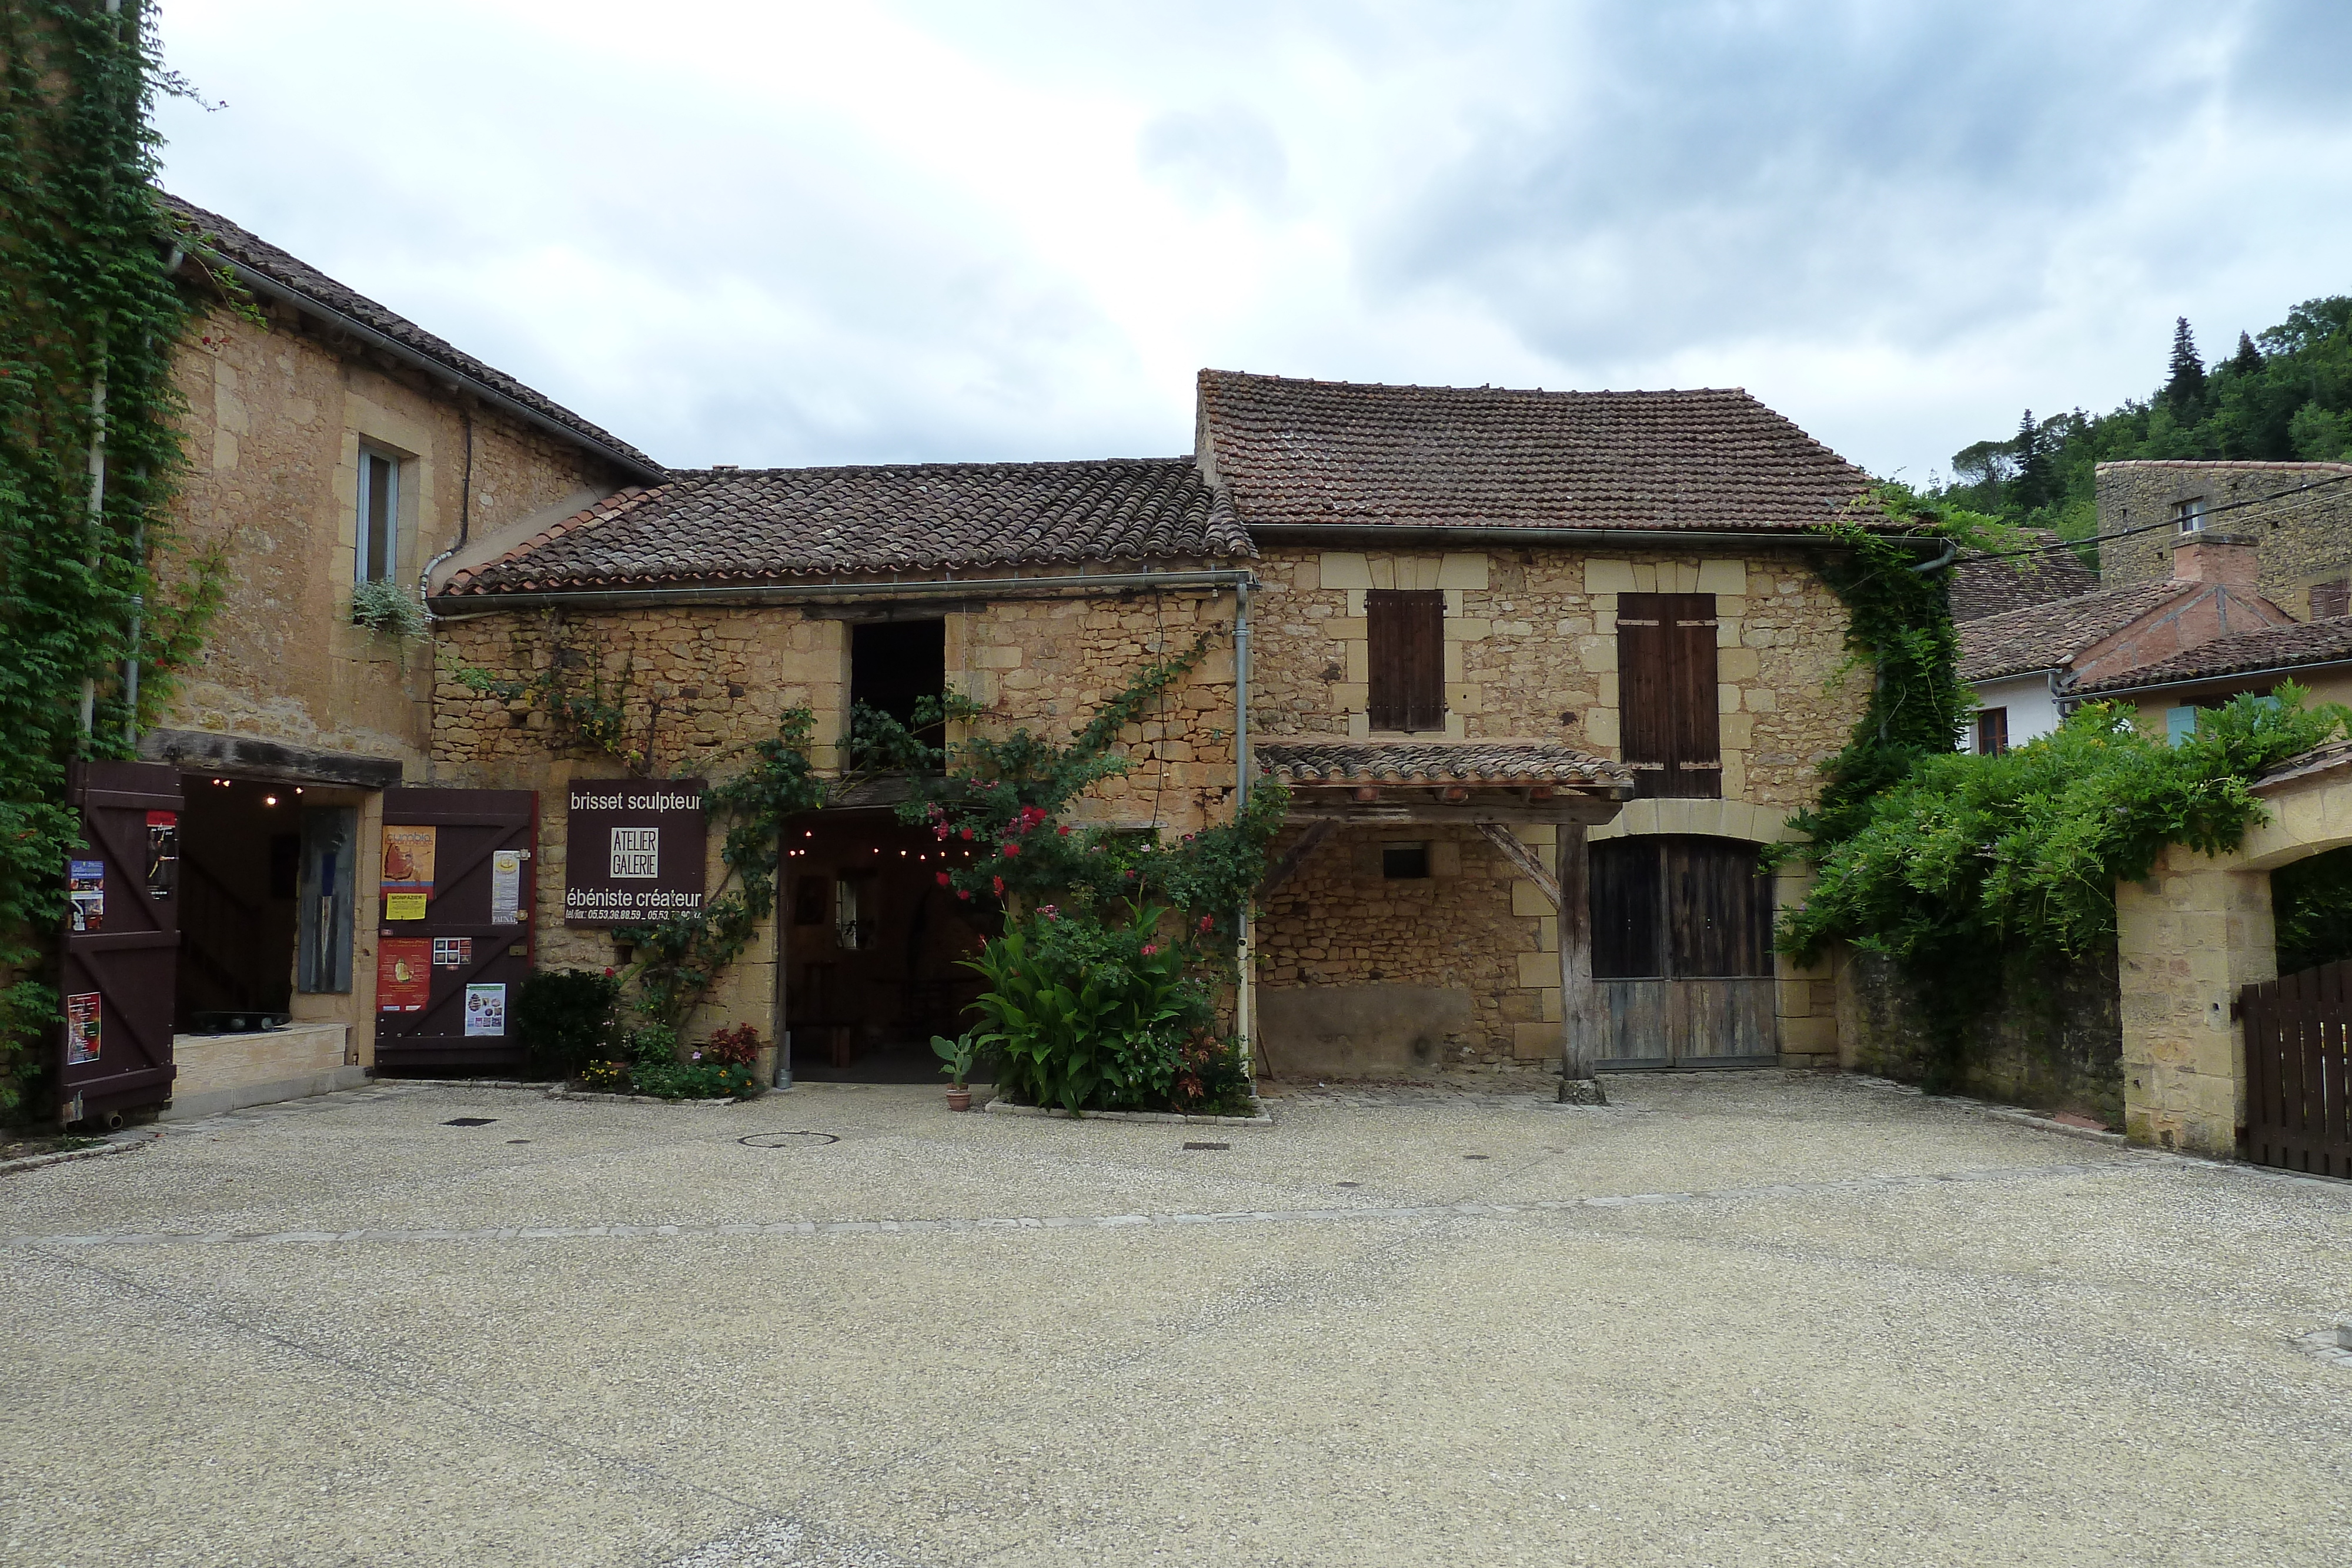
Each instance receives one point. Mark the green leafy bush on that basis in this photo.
(695, 1080)
(564, 1018)
(1090, 1014)
(387, 607)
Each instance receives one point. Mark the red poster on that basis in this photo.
(403, 974)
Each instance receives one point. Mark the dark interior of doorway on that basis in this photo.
(240, 852)
(873, 945)
(894, 664)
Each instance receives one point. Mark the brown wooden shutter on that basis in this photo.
(1404, 631)
(1669, 729)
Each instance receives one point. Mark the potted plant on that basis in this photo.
(955, 1058)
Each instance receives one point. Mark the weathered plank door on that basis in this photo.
(448, 963)
(2298, 1106)
(1682, 954)
(122, 947)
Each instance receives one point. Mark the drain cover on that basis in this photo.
(1477, 1157)
(1208, 1146)
(469, 1121)
(787, 1140)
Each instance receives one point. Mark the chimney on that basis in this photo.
(2230, 559)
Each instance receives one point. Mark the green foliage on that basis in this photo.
(695, 1080)
(956, 1055)
(2311, 901)
(1089, 1013)
(564, 1017)
(2286, 395)
(387, 608)
(737, 1047)
(86, 304)
(1967, 858)
(592, 718)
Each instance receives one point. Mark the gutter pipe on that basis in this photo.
(2078, 698)
(1245, 982)
(765, 594)
(261, 283)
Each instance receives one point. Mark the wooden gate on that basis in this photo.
(121, 940)
(2298, 1112)
(1682, 954)
(454, 936)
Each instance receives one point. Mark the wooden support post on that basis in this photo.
(1515, 851)
(1291, 859)
(1579, 1001)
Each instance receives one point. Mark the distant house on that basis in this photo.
(2299, 514)
(2025, 665)
(2315, 655)
(1986, 585)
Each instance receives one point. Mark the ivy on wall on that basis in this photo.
(89, 451)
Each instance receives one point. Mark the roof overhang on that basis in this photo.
(1648, 538)
(1468, 782)
(462, 606)
(2231, 678)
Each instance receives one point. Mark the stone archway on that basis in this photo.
(2192, 936)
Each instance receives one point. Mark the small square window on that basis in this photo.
(1404, 862)
(2190, 514)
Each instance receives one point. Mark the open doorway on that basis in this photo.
(240, 847)
(894, 664)
(873, 947)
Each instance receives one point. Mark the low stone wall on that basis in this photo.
(2051, 1036)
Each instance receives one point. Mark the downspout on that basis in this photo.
(425, 585)
(1245, 989)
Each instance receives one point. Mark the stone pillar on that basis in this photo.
(2187, 939)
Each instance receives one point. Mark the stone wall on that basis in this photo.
(2305, 539)
(700, 684)
(2051, 1036)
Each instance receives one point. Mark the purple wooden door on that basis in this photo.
(454, 946)
(122, 944)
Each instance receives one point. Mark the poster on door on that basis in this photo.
(408, 859)
(404, 975)
(86, 886)
(633, 850)
(162, 853)
(82, 1028)
(485, 1010)
(506, 887)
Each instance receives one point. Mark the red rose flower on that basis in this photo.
(1000, 886)
(1010, 848)
(963, 892)
(944, 879)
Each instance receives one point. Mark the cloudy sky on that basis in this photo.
(770, 233)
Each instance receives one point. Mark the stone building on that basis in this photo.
(1479, 619)
(332, 444)
(2298, 515)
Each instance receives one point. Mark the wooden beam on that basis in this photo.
(1579, 1009)
(1519, 855)
(1565, 809)
(1291, 859)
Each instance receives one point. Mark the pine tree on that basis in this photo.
(2248, 359)
(2032, 488)
(2185, 389)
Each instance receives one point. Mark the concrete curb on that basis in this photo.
(116, 1144)
(1166, 1118)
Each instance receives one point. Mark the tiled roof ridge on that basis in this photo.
(1483, 390)
(292, 273)
(952, 465)
(2298, 643)
(2244, 463)
(1994, 646)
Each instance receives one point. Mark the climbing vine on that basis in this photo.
(89, 451)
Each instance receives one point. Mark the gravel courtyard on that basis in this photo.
(1740, 1318)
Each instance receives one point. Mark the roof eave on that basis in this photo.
(2224, 677)
(1503, 533)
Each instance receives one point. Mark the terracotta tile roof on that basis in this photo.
(1305, 452)
(298, 276)
(738, 525)
(1983, 586)
(2318, 759)
(1484, 762)
(2048, 636)
(2303, 642)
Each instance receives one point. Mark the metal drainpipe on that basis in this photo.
(1246, 990)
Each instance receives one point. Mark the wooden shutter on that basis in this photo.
(118, 981)
(1405, 629)
(1625, 902)
(1668, 726)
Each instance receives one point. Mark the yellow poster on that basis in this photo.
(408, 859)
(403, 907)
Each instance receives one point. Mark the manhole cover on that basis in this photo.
(1208, 1146)
(469, 1121)
(787, 1140)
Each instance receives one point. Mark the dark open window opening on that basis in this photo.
(1667, 685)
(894, 664)
(1670, 907)
(1404, 862)
(1404, 632)
(238, 873)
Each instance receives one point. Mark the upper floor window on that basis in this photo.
(1405, 632)
(1992, 731)
(1666, 693)
(379, 517)
(2190, 514)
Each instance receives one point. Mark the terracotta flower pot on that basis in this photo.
(959, 1098)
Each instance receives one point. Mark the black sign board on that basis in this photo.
(633, 851)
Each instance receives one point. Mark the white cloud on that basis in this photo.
(823, 233)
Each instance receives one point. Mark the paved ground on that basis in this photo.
(1729, 1320)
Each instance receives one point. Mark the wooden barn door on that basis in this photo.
(454, 927)
(2299, 1102)
(122, 942)
(1682, 954)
